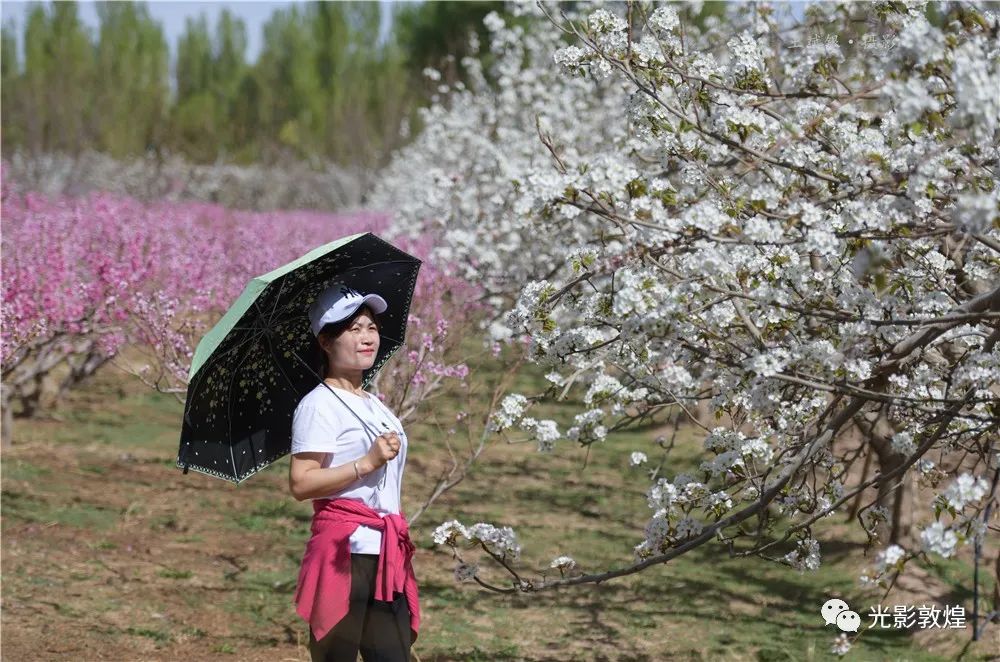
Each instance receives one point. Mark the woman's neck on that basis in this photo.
(346, 383)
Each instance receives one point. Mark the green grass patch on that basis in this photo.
(21, 470)
(159, 636)
(27, 508)
(167, 521)
(958, 575)
(67, 610)
(278, 512)
(170, 573)
(261, 606)
(136, 418)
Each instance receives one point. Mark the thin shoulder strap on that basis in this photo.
(385, 409)
(360, 420)
(365, 426)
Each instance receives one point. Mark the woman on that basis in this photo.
(356, 586)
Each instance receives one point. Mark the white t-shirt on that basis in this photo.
(323, 423)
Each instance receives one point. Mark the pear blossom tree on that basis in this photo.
(791, 222)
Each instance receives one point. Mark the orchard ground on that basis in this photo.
(109, 552)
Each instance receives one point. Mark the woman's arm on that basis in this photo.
(308, 480)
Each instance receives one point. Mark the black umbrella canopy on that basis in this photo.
(250, 371)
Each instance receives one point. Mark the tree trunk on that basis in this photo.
(7, 424)
(81, 367)
(996, 592)
(895, 494)
(859, 497)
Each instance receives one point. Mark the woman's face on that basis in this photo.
(356, 346)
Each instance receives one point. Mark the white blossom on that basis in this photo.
(688, 527)
(805, 556)
(939, 539)
(747, 59)
(662, 494)
(511, 410)
(563, 563)
(657, 529)
(493, 22)
(902, 443)
(965, 489)
(664, 19)
(889, 557)
(604, 21)
(500, 541)
(545, 432)
(449, 532)
(841, 645)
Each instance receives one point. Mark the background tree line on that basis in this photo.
(325, 86)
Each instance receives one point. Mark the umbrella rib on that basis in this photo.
(277, 362)
(376, 264)
(275, 311)
(277, 298)
(229, 412)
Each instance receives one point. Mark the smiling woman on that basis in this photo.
(348, 455)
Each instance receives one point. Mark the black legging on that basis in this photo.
(379, 630)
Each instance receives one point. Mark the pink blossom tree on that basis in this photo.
(87, 278)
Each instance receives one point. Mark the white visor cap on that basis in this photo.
(338, 302)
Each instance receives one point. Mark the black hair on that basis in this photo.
(334, 329)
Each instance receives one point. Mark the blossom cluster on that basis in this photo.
(500, 541)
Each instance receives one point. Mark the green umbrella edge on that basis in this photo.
(211, 340)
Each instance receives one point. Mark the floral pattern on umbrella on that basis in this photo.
(250, 371)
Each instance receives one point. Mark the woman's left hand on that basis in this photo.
(385, 448)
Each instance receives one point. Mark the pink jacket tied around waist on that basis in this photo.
(324, 586)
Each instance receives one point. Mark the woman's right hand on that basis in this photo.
(385, 448)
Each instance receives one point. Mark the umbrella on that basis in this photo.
(251, 369)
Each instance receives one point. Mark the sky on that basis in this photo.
(171, 16)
